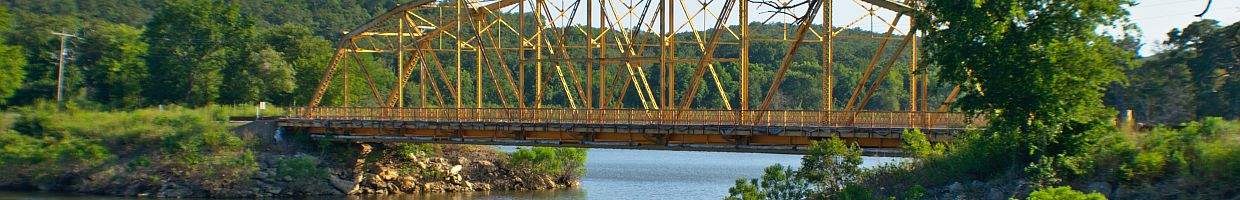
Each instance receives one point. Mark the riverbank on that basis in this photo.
(1197, 160)
(178, 152)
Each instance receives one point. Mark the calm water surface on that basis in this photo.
(620, 174)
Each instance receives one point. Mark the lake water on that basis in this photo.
(621, 174)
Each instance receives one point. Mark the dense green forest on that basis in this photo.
(132, 54)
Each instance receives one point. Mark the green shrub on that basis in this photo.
(827, 171)
(561, 161)
(915, 144)
(1146, 166)
(854, 192)
(831, 164)
(1063, 193)
(916, 192)
(303, 169)
(405, 149)
(300, 166)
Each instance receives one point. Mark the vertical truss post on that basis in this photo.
(344, 75)
(603, 97)
(744, 65)
(828, 56)
(588, 97)
(521, 54)
(478, 62)
(460, 5)
(671, 54)
(538, 54)
(663, 25)
(400, 62)
(912, 75)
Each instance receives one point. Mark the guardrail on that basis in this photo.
(863, 119)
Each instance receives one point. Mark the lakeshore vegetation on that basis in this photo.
(1049, 82)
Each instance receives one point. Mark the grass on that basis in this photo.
(46, 145)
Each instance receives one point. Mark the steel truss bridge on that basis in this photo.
(601, 74)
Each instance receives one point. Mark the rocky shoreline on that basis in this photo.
(305, 168)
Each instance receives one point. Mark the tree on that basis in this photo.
(11, 61)
(265, 77)
(111, 61)
(1190, 78)
(1213, 63)
(191, 43)
(42, 55)
(1036, 68)
(308, 54)
(831, 164)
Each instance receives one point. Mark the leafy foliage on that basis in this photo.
(1036, 69)
(12, 61)
(111, 61)
(302, 168)
(1191, 78)
(1063, 193)
(828, 171)
(568, 162)
(915, 144)
(194, 44)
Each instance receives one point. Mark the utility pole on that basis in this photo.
(60, 66)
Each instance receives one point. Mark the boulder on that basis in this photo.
(388, 174)
(344, 186)
(375, 180)
(408, 184)
(456, 169)
(433, 187)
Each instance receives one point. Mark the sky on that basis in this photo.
(1157, 17)
(1154, 17)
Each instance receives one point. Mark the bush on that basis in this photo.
(831, 164)
(1063, 193)
(827, 171)
(302, 169)
(562, 161)
(915, 144)
(406, 149)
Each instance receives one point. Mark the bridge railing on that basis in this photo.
(863, 119)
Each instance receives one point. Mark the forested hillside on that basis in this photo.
(142, 53)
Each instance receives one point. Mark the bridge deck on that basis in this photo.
(699, 130)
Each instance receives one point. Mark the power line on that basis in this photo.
(1162, 4)
(1203, 12)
